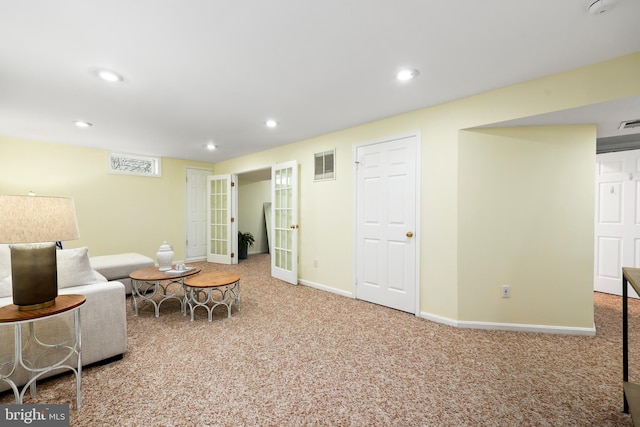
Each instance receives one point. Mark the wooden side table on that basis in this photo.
(151, 284)
(216, 288)
(10, 314)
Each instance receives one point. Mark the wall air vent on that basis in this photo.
(629, 124)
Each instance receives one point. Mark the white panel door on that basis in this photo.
(196, 214)
(222, 229)
(386, 223)
(617, 216)
(284, 199)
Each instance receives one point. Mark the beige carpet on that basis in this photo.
(297, 356)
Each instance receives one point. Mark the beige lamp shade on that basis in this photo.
(31, 225)
(33, 219)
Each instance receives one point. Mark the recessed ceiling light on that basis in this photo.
(211, 146)
(82, 124)
(110, 76)
(271, 123)
(601, 6)
(407, 74)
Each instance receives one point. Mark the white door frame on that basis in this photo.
(415, 134)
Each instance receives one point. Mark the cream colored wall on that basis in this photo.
(318, 221)
(251, 199)
(525, 218)
(116, 213)
(326, 209)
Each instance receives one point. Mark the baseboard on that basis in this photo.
(516, 327)
(325, 288)
(256, 252)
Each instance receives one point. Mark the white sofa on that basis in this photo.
(102, 316)
(119, 266)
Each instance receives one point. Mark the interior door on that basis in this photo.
(386, 227)
(222, 229)
(617, 228)
(196, 214)
(284, 199)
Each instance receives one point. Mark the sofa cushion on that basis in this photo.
(119, 266)
(74, 268)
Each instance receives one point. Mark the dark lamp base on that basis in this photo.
(36, 306)
(34, 275)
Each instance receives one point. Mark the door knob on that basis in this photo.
(409, 234)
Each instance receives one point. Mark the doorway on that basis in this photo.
(254, 190)
(274, 228)
(617, 225)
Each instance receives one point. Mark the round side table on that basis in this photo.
(151, 284)
(210, 290)
(10, 314)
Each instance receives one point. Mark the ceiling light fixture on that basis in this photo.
(271, 123)
(601, 6)
(110, 76)
(82, 124)
(211, 146)
(407, 74)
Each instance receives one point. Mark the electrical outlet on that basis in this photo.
(506, 291)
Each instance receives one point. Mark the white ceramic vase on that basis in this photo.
(165, 257)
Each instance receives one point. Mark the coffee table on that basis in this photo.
(152, 285)
(210, 290)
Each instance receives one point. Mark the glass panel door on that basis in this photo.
(222, 239)
(284, 260)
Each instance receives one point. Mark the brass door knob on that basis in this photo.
(409, 234)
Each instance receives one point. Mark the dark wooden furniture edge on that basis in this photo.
(631, 392)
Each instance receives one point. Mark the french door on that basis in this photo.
(284, 199)
(222, 229)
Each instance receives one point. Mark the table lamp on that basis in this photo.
(32, 225)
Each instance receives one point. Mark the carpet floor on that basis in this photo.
(297, 356)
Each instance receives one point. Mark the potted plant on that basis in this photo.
(244, 241)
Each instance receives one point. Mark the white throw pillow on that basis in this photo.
(74, 268)
(5, 271)
(99, 277)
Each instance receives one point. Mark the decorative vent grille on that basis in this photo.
(134, 165)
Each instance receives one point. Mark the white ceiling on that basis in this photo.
(213, 70)
(606, 115)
